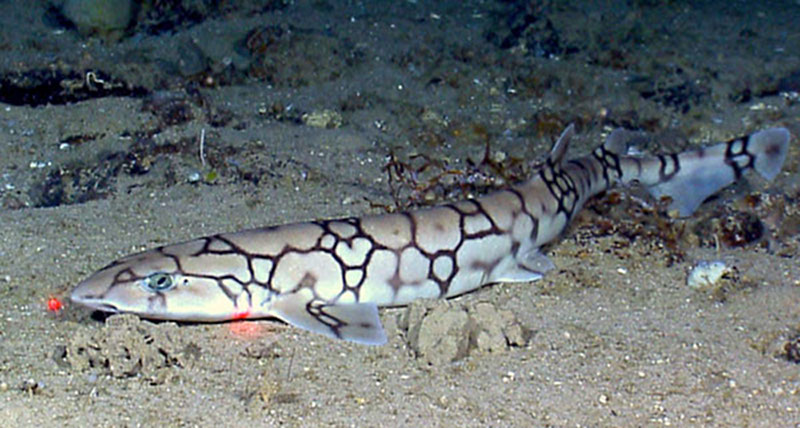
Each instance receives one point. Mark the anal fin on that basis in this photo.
(354, 322)
(689, 190)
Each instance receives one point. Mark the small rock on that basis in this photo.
(107, 18)
(438, 331)
(328, 119)
(192, 61)
(488, 330)
(128, 347)
(495, 330)
(515, 333)
(434, 118)
(706, 274)
(441, 331)
(792, 349)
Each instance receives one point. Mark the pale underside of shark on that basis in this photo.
(330, 276)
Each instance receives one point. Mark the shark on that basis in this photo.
(331, 276)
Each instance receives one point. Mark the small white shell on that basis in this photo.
(706, 274)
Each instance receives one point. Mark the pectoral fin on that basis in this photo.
(530, 266)
(355, 322)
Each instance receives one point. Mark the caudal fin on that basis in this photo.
(769, 148)
(691, 177)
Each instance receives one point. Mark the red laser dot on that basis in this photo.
(241, 315)
(54, 305)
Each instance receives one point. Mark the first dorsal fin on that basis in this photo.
(560, 147)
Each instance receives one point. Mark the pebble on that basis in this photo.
(328, 119)
(706, 274)
(105, 17)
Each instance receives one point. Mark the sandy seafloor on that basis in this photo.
(612, 337)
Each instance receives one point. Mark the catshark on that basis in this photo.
(331, 276)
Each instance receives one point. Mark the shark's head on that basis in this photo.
(230, 277)
(162, 284)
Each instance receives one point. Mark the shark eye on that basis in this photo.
(158, 281)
